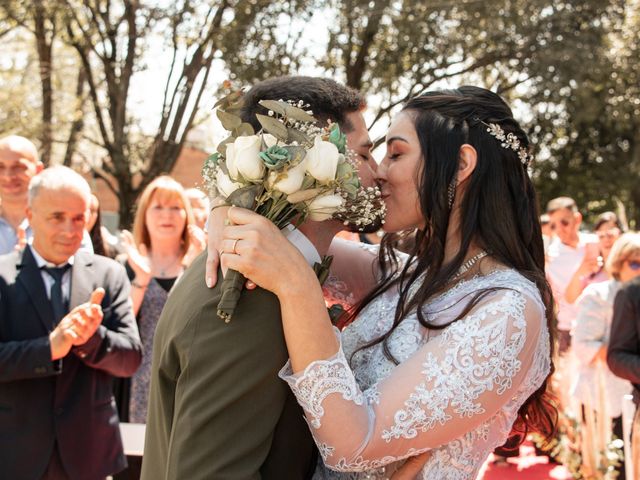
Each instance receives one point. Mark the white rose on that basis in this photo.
(243, 158)
(323, 207)
(290, 180)
(225, 185)
(322, 160)
(269, 139)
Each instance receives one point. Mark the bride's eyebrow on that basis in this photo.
(394, 139)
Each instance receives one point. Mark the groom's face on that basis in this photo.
(358, 140)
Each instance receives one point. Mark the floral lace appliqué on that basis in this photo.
(460, 378)
(319, 380)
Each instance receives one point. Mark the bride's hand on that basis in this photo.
(217, 217)
(256, 248)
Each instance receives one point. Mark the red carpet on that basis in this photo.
(527, 466)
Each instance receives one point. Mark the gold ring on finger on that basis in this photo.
(235, 242)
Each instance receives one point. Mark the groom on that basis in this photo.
(217, 408)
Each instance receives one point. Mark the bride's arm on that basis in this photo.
(355, 266)
(450, 386)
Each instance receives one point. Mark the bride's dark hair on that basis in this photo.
(499, 212)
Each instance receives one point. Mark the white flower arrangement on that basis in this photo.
(289, 171)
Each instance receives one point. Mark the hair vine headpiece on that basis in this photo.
(510, 141)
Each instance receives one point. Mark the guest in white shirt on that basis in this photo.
(564, 256)
(19, 163)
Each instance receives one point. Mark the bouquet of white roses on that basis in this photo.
(288, 171)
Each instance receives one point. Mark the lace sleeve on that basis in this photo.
(448, 387)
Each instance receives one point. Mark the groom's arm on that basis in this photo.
(229, 397)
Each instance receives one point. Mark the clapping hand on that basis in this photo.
(137, 257)
(78, 326)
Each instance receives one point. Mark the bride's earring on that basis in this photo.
(451, 193)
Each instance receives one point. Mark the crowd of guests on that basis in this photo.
(598, 344)
(95, 298)
(78, 309)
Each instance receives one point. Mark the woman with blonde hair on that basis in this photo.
(156, 253)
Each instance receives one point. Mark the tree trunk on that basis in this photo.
(44, 40)
(78, 118)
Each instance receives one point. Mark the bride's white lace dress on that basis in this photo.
(455, 392)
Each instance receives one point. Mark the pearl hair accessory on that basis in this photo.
(509, 141)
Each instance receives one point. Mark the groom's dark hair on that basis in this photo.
(328, 99)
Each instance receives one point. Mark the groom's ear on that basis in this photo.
(467, 161)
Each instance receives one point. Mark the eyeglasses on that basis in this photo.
(564, 222)
(634, 264)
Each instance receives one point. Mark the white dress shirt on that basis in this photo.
(48, 279)
(562, 263)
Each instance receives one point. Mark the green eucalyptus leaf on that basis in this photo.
(299, 115)
(273, 126)
(245, 197)
(275, 105)
(244, 130)
(296, 153)
(222, 146)
(228, 120)
(296, 135)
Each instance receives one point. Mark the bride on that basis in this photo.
(450, 351)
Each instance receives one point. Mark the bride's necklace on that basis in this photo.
(466, 266)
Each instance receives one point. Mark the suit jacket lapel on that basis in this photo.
(31, 279)
(82, 279)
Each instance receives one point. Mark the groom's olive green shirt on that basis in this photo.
(217, 409)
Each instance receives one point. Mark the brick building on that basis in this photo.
(186, 171)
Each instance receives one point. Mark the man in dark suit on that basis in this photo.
(66, 328)
(217, 409)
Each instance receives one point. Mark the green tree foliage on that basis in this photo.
(588, 120)
(569, 68)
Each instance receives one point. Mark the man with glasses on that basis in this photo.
(18, 164)
(564, 256)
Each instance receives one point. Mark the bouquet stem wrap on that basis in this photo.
(231, 289)
(233, 282)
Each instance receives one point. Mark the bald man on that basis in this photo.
(19, 162)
